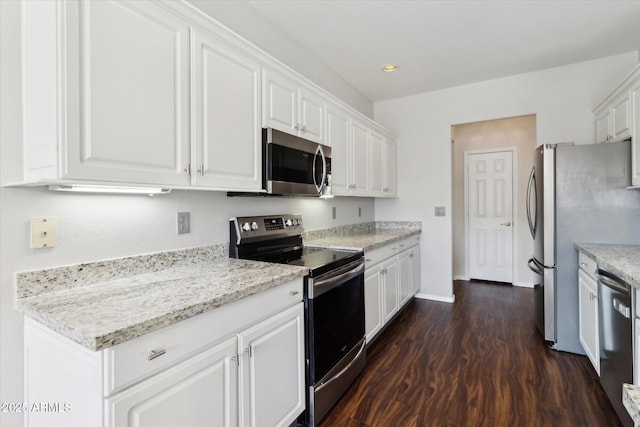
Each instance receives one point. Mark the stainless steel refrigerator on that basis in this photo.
(576, 193)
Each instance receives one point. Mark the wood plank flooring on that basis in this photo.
(478, 362)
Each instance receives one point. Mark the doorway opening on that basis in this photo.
(491, 162)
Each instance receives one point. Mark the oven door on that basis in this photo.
(295, 165)
(336, 317)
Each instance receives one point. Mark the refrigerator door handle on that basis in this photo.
(535, 267)
(532, 221)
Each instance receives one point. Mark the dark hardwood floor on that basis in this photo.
(478, 362)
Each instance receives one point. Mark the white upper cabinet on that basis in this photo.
(614, 114)
(228, 137)
(634, 97)
(360, 157)
(338, 138)
(390, 168)
(376, 165)
(157, 93)
(291, 107)
(112, 88)
(382, 166)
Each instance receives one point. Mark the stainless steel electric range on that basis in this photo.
(333, 298)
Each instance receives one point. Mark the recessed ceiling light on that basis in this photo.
(389, 68)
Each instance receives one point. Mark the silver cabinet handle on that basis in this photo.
(368, 259)
(508, 223)
(156, 353)
(592, 296)
(201, 170)
(292, 293)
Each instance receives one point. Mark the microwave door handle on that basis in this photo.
(324, 169)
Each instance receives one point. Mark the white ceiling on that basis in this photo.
(439, 44)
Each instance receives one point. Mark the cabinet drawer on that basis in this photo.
(407, 243)
(379, 254)
(587, 264)
(132, 361)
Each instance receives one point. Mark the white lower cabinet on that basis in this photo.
(199, 391)
(272, 370)
(588, 311)
(390, 287)
(239, 365)
(373, 302)
(391, 278)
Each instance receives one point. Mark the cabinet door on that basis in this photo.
(338, 138)
(228, 135)
(311, 115)
(404, 276)
(201, 391)
(390, 169)
(635, 129)
(360, 158)
(390, 286)
(588, 318)
(620, 119)
(376, 164)
(372, 302)
(415, 269)
(603, 131)
(127, 93)
(279, 102)
(272, 370)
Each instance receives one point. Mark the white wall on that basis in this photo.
(561, 98)
(94, 227)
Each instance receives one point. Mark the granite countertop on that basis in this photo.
(367, 237)
(631, 401)
(622, 260)
(99, 305)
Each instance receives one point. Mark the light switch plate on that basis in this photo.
(184, 222)
(439, 211)
(44, 233)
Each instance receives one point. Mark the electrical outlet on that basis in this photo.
(333, 212)
(439, 211)
(44, 233)
(184, 223)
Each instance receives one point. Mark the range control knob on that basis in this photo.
(299, 221)
(288, 222)
(246, 226)
(254, 225)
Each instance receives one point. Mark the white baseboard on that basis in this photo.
(523, 284)
(450, 299)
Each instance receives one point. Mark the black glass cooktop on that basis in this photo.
(319, 260)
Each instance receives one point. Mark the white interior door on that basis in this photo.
(490, 216)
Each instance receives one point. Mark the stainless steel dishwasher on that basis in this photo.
(615, 311)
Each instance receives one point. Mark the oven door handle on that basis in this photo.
(336, 278)
(345, 369)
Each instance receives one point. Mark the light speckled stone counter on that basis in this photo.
(622, 260)
(102, 304)
(631, 401)
(367, 236)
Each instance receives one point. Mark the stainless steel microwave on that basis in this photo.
(294, 165)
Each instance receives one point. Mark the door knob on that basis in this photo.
(508, 223)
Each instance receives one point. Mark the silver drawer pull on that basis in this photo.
(156, 353)
(292, 293)
(368, 259)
